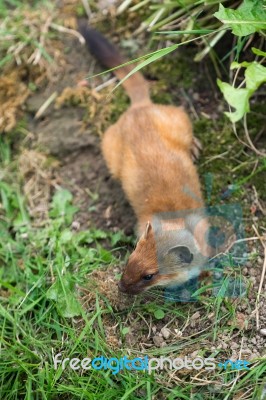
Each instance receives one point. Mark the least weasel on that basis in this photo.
(151, 149)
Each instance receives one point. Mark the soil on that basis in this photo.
(88, 171)
(63, 134)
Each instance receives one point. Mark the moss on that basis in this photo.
(168, 75)
(80, 11)
(119, 104)
(228, 170)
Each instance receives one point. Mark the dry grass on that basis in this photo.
(31, 53)
(13, 93)
(38, 177)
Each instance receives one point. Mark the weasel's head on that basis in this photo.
(164, 262)
(141, 271)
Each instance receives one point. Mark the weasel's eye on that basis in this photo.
(148, 277)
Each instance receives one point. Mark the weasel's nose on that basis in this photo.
(121, 286)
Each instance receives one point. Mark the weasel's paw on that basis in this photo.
(195, 149)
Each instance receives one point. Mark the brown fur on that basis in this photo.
(149, 149)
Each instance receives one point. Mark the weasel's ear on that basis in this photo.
(182, 253)
(148, 229)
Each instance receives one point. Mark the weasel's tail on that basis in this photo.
(136, 86)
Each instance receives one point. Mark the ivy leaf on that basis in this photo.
(250, 17)
(255, 75)
(237, 98)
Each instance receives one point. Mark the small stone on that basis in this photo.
(24, 236)
(165, 332)
(75, 225)
(263, 332)
(178, 333)
(217, 275)
(234, 345)
(216, 387)
(195, 316)
(252, 272)
(246, 351)
(253, 356)
(234, 356)
(253, 340)
(157, 340)
(108, 212)
(240, 320)
(154, 329)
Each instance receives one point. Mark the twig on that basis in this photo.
(214, 158)
(257, 201)
(194, 112)
(42, 40)
(232, 244)
(61, 28)
(87, 8)
(45, 105)
(105, 84)
(249, 140)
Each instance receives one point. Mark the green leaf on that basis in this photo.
(192, 31)
(258, 52)
(66, 236)
(62, 292)
(61, 205)
(125, 330)
(155, 56)
(159, 313)
(61, 199)
(250, 17)
(255, 75)
(237, 98)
